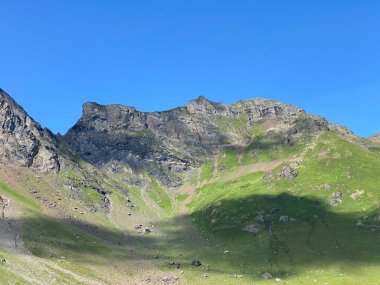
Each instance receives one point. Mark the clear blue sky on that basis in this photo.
(321, 55)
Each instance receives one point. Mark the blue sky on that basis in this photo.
(321, 55)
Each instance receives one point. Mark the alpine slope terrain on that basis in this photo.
(256, 192)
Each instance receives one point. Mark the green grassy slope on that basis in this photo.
(299, 237)
(249, 221)
(63, 240)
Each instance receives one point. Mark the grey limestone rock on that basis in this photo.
(23, 141)
(288, 172)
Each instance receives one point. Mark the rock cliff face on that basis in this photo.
(22, 141)
(164, 143)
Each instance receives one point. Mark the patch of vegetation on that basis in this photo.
(19, 196)
(207, 170)
(159, 196)
(265, 149)
(228, 160)
(181, 197)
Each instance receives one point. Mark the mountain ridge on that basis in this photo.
(165, 142)
(249, 191)
(173, 141)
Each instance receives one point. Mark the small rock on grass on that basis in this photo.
(196, 263)
(175, 265)
(237, 276)
(267, 276)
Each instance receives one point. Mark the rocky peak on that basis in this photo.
(202, 105)
(257, 108)
(202, 100)
(92, 109)
(22, 140)
(163, 143)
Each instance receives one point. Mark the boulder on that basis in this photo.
(267, 276)
(284, 219)
(357, 195)
(253, 228)
(335, 202)
(138, 227)
(175, 265)
(338, 194)
(288, 172)
(337, 198)
(260, 218)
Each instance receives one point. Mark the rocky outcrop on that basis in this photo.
(22, 141)
(164, 143)
(375, 138)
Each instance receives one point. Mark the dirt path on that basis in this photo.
(184, 219)
(51, 266)
(248, 169)
(243, 170)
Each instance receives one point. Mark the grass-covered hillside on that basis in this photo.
(313, 219)
(299, 211)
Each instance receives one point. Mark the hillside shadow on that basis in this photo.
(48, 237)
(285, 234)
(280, 234)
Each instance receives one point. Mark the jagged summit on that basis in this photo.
(94, 109)
(22, 140)
(161, 143)
(167, 142)
(203, 104)
(201, 100)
